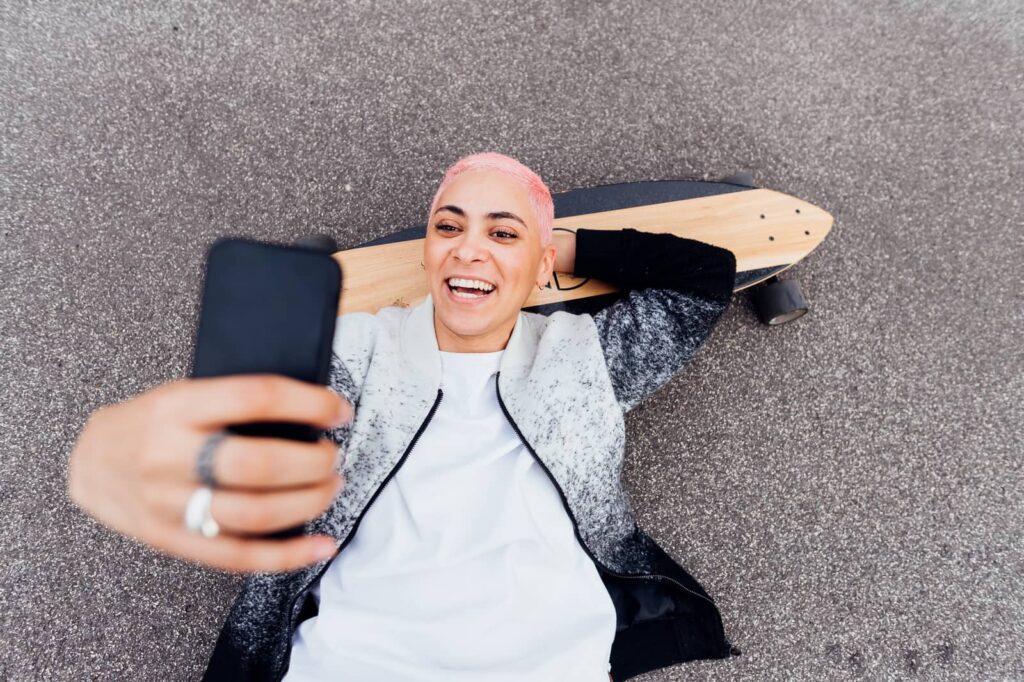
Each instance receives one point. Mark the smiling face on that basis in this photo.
(483, 232)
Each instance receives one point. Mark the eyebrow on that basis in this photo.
(495, 215)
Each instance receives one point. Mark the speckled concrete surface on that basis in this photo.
(848, 486)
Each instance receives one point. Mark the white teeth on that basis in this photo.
(473, 283)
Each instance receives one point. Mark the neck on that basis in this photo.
(451, 342)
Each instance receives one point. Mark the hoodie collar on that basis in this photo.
(419, 344)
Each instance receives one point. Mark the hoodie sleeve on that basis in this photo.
(676, 289)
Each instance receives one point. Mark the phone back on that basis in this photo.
(267, 308)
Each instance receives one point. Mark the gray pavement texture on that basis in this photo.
(848, 487)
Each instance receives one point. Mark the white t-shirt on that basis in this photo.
(465, 567)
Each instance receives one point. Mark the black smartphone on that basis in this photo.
(268, 308)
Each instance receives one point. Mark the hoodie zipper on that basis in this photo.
(352, 531)
(729, 648)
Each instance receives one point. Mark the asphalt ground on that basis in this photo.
(848, 487)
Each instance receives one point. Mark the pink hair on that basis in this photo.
(540, 196)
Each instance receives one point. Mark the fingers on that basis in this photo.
(246, 555)
(133, 468)
(248, 461)
(214, 401)
(238, 512)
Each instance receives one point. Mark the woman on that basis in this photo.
(481, 467)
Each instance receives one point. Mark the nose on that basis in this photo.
(471, 246)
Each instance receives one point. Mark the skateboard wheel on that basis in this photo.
(779, 301)
(745, 178)
(317, 242)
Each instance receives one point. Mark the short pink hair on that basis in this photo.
(540, 196)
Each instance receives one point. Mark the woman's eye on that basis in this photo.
(504, 234)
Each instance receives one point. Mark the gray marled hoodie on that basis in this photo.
(565, 382)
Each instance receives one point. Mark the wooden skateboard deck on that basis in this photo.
(767, 230)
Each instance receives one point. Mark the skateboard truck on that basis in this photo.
(778, 301)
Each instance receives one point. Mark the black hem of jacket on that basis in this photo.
(660, 624)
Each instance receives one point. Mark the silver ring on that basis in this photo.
(204, 463)
(198, 518)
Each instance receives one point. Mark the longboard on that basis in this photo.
(768, 231)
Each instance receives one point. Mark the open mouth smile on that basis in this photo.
(465, 290)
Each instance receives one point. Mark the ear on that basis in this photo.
(547, 265)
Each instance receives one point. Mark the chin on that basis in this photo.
(464, 322)
(464, 328)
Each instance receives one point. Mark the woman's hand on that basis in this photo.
(565, 251)
(133, 468)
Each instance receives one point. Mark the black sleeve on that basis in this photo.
(677, 289)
